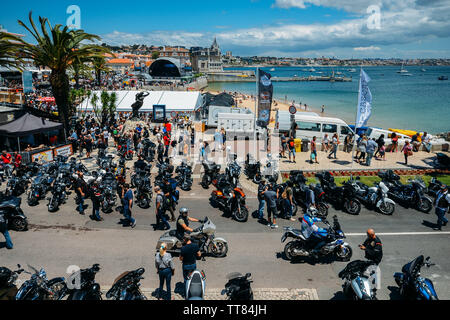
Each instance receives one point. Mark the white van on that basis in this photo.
(310, 126)
(283, 120)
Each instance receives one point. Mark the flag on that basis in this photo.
(265, 94)
(364, 101)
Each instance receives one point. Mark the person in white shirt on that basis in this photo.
(426, 141)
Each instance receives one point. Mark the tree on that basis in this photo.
(104, 112)
(99, 64)
(57, 48)
(155, 55)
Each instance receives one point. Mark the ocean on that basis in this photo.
(419, 102)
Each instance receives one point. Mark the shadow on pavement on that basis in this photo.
(394, 293)
(339, 296)
(429, 224)
(180, 289)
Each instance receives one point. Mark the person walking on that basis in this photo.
(314, 151)
(165, 269)
(362, 145)
(95, 197)
(325, 143)
(407, 151)
(188, 256)
(80, 190)
(271, 200)
(348, 143)
(218, 141)
(283, 140)
(370, 150)
(442, 207)
(291, 146)
(394, 139)
(5, 232)
(262, 187)
(334, 146)
(160, 209)
(127, 202)
(380, 143)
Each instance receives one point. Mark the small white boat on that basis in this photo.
(273, 69)
(351, 70)
(405, 74)
(338, 72)
(423, 70)
(402, 70)
(312, 70)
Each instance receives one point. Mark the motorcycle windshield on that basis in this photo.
(234, 275)
(412, 267)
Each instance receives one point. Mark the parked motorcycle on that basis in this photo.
(144, 193)
(433, 187)
(302, 247)
(230, 199)
(39, 188)
(108, 196)
(58, 196)
(164, 170)
(8, 278)
(410, 282)
(40, 288)
(341, 197)
(10, 209)
(357, 280)
(125, 153)
(126, 286)
(204, 236)
(233, 172)
(375, 197)
(442, 161)
(195, 285)
(89, 289)
(184, 177)
(410, 195)
(17, 185)
(238, 287)
(211, 172)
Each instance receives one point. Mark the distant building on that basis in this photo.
(229, 54)
(207, 60)
(120, 65)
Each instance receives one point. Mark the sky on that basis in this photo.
(282, 28)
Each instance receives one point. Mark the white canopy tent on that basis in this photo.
(178, 101)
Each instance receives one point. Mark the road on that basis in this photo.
(58, 240)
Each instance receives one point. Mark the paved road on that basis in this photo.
(57, 240)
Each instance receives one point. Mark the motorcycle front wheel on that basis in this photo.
(257, 179)
(205, 181)
(241, 214)
(387, 208)
(52, 205)
(219, 250)
(144, 203)
(289, 250)
(425, 205)
(344, 253)
(19, 224)
(322, 209)
(353, 207)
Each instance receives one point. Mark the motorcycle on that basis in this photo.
(280, 206)
(410, 195)
(442, 161)
(39, 188)
(297, 181)
(233, 172)
(434, 187)
(164, 170)
(8, 278)
(89, 289)
(211, 172)
(17, 185)
(184, 177)
(204, 236)
(108, 196)
(357, 284)
(144, 193)
(149, 150)
(341, 197)
(238, 287)
(6, 171)
(10, 209)
(40, 288)
(58, 196)
(125, 153)
(126, 286)
(230, 199)
(373, 197)
(252, 170)
(302, 247)
(411, 284)
(195, 285)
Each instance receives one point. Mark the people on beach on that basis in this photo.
(394, 139)
(325, 143)
(416, 142)
(334, 146)
(426, 142)
(291, 146)
(380, 144)
(370, 150)
(407, 151)
(283, 140)
(362, 144)
(314, 150)
(348, 143)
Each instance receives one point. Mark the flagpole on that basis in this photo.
(356, 122)
(256, 110)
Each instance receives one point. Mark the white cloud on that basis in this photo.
(371, 48)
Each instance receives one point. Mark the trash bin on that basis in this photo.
(305, 145)
(298, 145)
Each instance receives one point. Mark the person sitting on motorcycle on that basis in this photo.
(312, 232)
(140, 164)
(183, 223)
(310, 197)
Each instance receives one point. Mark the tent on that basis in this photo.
(28, 124)
(178, 101)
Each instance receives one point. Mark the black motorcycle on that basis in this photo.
(87, 289)
(17, 185)
(126, 286)
(58, 196)
(144, 193)
(238, 287)
(442, 161)
(252, 169)
(8, 278)
(165, 170)
(341, 197)
(297, 181)
(149, 150)
(211, 172)
(39, 188)
(184, 176)
(409, 195)
(10, 209)
(108, 196)
(434, 187)
(233, 172)
(40, 288)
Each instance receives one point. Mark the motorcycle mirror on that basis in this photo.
(248, 275)
(427, 259)
(19, 266)
(224, 292)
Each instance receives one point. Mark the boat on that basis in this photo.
(443, 78)
(339, 73)
(402, 70)
(423, 70)
(273, 69)
(406, 74)
(408, 133)
(312, 70)
(351, 70)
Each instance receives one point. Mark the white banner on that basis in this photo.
(364, 101)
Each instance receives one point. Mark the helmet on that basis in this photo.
(184, 211)
(5, 275)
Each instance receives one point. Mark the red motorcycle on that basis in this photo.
(124, 152)
(229, 199)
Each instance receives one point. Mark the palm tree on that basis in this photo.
(99, 64)
(57, 48)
